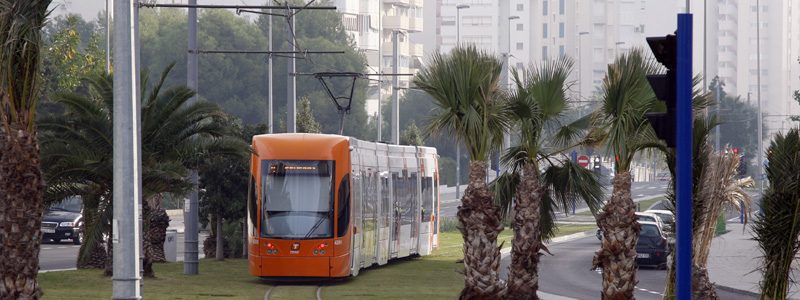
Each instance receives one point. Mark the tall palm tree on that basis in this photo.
(539, 104)
(626, 97)
(777, 230)
(464, 87)
(21, 184)
(175, 134)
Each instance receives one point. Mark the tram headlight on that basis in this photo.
(322, 252)
(316, 252)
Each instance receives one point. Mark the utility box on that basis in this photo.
(171, 245)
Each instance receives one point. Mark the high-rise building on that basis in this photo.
(738, 54)
(372, 25)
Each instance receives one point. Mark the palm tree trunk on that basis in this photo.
(523, 277)
(481, 223)
(617, 257)
(21, 206)
(702, 288)
(220, 253)
(147, 247)
(158, 222)
(97, 253)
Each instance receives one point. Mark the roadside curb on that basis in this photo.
(57, 270)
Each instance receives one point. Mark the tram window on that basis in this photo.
(297, 199)
(344, 206)
(251, 205)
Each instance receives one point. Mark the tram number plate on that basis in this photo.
(643, 255)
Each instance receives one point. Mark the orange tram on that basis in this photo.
(326, 206)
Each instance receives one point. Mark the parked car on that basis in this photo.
(64, 220)
(652, 248)
(667, 218)
(641, 217)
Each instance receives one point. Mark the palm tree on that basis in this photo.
(21, 182)
(777, 230)
(464, 86)
(539, 104)
(175, 135)
(626, 97)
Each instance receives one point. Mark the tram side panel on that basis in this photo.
(385, 203)
(357, 194)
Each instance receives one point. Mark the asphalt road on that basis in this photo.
(567, 273)
(58, 256)
(64, 255)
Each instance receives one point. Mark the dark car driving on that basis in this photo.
(652, 248)
(63, 221)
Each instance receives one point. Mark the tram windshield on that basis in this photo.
(297, 199)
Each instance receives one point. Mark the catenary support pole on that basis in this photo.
(396, 88)
(291, 82)
(760, 150)
(683, 160)
(108, 36)
(719, 103)
(269, 74)
(190, 244)
(126, 234)
(380, 71)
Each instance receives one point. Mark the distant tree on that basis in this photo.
(411, 135)
(71, 52)
(305, 118)
(222, 200)
(738, 123)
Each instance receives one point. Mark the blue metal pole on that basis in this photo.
(683, 160)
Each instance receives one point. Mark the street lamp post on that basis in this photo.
(760, 164)
(458, 145)
(580, 66)
(507, 79)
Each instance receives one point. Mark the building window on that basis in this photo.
(561, 7)
(544, 52)
(561, 50)
(520, 7)
(544, 7)
(561, 29)
(519, 46)
(519, 27)
(544, 30)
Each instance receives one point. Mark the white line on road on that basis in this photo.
(640, 195)
(652, 188)
(266, 295)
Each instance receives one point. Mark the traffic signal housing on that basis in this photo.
(664, 87)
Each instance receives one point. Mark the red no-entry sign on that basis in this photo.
(583, 161)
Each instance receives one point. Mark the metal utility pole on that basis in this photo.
(580, 67)
(291, 82)
(190, 218)
(380, 71)
(108, 37)
(269, 74)
(760, 163)
(719, 103)
(458, 144)
(683, 159)
(396, 88)
(506, 78)
(126, 237)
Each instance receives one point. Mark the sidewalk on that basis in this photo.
(733, 262)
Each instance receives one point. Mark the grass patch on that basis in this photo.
(228, 279)
(431, 277)
(646, 204)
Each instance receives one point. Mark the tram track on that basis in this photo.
(272, 289)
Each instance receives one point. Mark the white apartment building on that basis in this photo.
(737, 60)
(372, 24)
